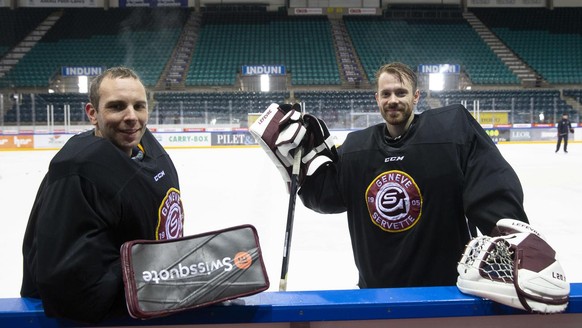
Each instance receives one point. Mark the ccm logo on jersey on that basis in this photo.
(393, 159)
(159, 176)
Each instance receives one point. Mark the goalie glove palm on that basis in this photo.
(517, 269)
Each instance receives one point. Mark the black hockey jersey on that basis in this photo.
(407, 200)
(564, 126)
(92, 200)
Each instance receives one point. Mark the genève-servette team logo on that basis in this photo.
(394, 201)
(170, 216)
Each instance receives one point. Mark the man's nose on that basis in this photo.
(392, 99)
(130, 113)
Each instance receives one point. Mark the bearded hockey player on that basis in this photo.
(414, 187)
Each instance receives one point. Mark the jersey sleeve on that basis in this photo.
(77, 265)
(320, 192)
(492, 189)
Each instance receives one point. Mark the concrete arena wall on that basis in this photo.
(193, 138)
(398, 307)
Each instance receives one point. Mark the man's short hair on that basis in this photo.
(401, 71)
(114, 73)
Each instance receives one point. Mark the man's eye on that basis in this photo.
(117, 107)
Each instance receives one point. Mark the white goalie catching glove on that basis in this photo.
(517, 268)
(282, 129)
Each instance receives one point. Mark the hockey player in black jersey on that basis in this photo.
(410, 186)
(106, 186)
(564, 127)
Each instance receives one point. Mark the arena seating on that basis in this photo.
(550, 41)
(415, 42)
(167, 108)
(574, 93)
(141, 38)
(33, 108)
(228, 41)
(347, 108)
(304, 44)
(212, 108)
(17, 24)
(144, 38)
(525, 105)
(340, 109)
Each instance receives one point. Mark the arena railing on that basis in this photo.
(347, 110)
(396, 307)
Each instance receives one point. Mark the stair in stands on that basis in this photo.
(352, 73)
(13, 56)
(527, 76)
(174, 75)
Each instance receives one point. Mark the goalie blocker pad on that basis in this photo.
(170, 276)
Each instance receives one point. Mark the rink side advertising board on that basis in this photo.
(233, 138)
(61, 3)
(17, 142)
(183, 139)
(201, 138)
(153, 3)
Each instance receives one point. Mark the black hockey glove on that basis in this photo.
(319, 147)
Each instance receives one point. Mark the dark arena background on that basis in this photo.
(211, 67)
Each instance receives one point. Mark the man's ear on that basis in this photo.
(91, 113)
(416, 96)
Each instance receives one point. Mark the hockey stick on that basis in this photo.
(290, 215)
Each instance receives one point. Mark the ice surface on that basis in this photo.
(223, 187)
